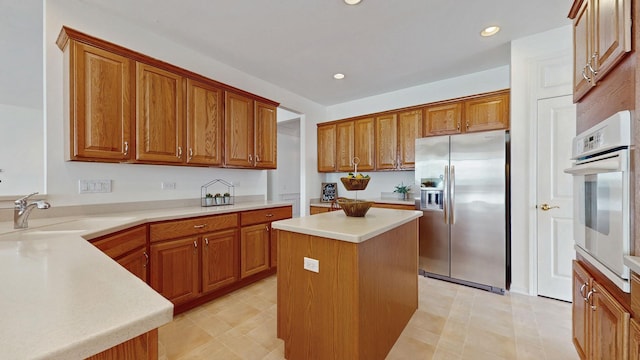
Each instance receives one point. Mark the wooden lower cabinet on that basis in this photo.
(174, 269)
(255, 249)
(219, 260)
(600, 322)
(128, 248)
(176, 264)
(143, 347)
(634, 340)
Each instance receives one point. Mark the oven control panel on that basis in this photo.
(612, 133)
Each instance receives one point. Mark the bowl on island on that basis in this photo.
(354, 207)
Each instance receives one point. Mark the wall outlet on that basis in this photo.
(94, 186)
(168, 185)
(312, 264)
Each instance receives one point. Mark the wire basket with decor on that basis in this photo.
(354, 207)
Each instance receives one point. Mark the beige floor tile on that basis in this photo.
(453, 322)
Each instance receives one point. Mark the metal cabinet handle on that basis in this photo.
(199, 226)
(591, 292)
(206, 241)
(467, 124)
(250, 158)
(593, 57)
(179, 155)
(195, 244)
(126, 148)
(458, 125)
(546, 207)
(584, 75)
(257, 158)
(146, 262)
(190, 153)
(266, 228)
(582, 291)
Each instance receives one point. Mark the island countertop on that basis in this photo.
(63, 298)
(337, 225)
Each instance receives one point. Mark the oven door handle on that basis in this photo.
(595, 167)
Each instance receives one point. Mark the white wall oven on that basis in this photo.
(602, 189)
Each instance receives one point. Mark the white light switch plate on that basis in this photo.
(311, 264)
(94, 186)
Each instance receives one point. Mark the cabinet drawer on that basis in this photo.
(121, 243)
(265, 215)
(179, 228)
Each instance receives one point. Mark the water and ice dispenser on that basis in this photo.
(431, 193)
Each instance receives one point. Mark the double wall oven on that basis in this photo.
(603, 193)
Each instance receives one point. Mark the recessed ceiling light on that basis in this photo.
(490, 30)
(338, 76)
(352, 2)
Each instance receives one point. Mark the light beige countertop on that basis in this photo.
(62, 298)
(337, 225)
(633, 262)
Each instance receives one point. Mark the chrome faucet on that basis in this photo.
(21, 210)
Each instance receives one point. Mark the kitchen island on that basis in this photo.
(347, 286)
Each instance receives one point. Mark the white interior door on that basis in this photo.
(556, 127)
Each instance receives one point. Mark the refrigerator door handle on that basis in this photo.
(445, 194)
(452, 188)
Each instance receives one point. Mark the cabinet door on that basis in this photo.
(174, 269)
(136, 263)
(634, 341)
(581, 311)
(409, 129)
(386, 142)
(612, 33)
(219, 260)
(442, 119)
(254, 249)
(582, 35)
(160, 117)
(487, 113)
(610, 326)
(266, 136)
(344, 145)
(238, 133)
(204, 123)
(100, 95)
(364, 141)
(327, 148)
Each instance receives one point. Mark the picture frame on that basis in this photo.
(328, 192)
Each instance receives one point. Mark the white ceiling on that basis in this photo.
(381, 45)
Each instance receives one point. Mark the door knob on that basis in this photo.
(546, 207)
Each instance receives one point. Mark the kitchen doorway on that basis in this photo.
(556, 126)
(283, 184)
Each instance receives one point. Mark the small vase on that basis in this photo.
(227, 199)
(218, 200)
(208, 201)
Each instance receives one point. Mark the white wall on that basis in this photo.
(541, 67)
(384, 182)
(142, 182)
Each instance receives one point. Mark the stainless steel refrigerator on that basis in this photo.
(464, 230)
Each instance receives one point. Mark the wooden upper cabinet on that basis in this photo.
(327, 148)
(601, 37)
(266, 136)
(386, 142)
(100, 100)
(238, 133)
(444, 119)
(345, 141)
(364, 141)
(409, 129)
(582, 52)
(487, 113)
(160, 116)
(205, 118)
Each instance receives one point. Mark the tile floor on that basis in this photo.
(452, 322)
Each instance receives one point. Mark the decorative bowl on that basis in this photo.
(355, 183)
(354, 208)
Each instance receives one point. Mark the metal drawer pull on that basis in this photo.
(199, 226)
(146, 262)
(269, 215)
